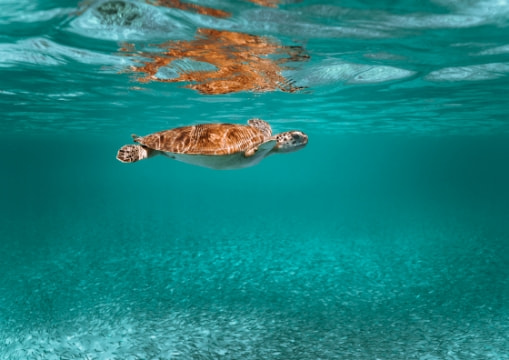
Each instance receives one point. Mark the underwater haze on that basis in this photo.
(385, 238)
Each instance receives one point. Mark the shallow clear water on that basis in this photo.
(387, 237)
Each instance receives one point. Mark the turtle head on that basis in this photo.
(290, 141)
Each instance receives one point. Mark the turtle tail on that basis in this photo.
(132, 153)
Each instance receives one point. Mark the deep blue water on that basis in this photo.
(387, 237)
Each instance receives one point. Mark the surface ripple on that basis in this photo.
(396, 66)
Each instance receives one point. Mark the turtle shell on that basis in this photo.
(205, 139)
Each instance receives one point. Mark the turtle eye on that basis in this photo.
(297, 138)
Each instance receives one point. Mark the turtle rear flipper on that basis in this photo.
(133, 153)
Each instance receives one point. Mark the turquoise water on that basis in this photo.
(387, 237)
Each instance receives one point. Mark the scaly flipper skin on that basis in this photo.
(132, 153)
(261, 125)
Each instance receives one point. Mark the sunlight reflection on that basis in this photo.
(238, 62)
(177, 4)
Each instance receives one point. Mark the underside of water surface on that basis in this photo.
(386, 237)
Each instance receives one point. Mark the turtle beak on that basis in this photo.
(300, 138)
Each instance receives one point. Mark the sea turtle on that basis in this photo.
(216, 146)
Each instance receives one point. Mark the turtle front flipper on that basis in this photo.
(261, 125)
(250, 152)
(133, 153)
(262, 149)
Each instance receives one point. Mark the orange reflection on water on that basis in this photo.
(241, 62)
(177, 4)
(268, 3)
